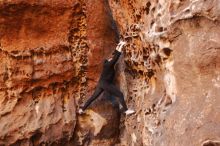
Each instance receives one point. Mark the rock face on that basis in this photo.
(51, 53)
(172, 71)
(49, 65)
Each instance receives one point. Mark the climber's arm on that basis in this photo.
(117, 53)
(120, 46)
(115, 57)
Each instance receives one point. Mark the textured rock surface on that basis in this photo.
(51, 53)
(46, 48)
(172, 71)
(37, 80)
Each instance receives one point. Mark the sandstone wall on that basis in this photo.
(172, 71)
(51, 53)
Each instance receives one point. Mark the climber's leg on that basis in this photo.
(114, 91)
(96, 93)
(111, 98)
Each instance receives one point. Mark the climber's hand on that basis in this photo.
(120, 46)
(122, 43)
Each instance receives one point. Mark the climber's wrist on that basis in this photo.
(119, 49)
(120, 46)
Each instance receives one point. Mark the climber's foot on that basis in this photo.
(129, 112)
(80, 111)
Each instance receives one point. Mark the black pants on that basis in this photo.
(111, 99)
(111, 89)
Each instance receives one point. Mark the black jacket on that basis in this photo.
(108, 71)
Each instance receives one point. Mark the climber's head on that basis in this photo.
(107, 60)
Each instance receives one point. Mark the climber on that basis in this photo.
(105, 82)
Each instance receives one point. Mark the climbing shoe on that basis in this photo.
(80, 111)
(129, 112)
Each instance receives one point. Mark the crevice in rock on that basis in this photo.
(211, 143)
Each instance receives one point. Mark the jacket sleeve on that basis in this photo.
(115, 57)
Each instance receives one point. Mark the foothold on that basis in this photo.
(148, 4)
(153, 9)
(167, 51)
(147, 8)
(152, 23)
(168, 101)
(153, 106)
(159, 29)
(141, 72)
(187, 10)
(147, 112)
(158, 15)
(138, 17)
(145, 57)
